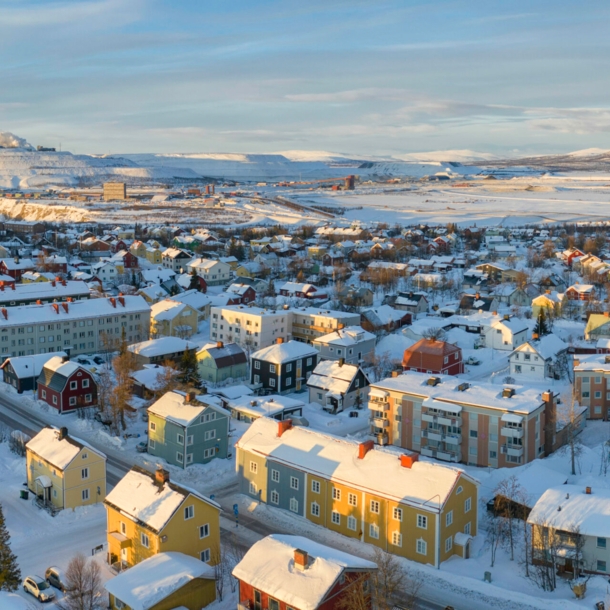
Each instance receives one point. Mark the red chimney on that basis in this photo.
(301, 559)
(13, 286)
(4, 313)
(65, 306)
(113, 301)
(364, 448)
(122, 301)
(282, 426)
(408, 459)
(56, 307)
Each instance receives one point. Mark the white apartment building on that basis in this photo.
(308, 323)
(215, 273)
(251, 327)
(83, 327)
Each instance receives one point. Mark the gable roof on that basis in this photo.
(56, 372)
(284, 352)
(151, 581)
(59, 453)
(269, 567)
(230, 354)
(138, 496)
(336, 379)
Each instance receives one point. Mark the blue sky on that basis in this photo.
(367, 77)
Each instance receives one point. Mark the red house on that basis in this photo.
(282, 572)
(246, 293)
(431, 356)
(569, 255)
(16, 267)
(580, 292)
(126, 258)
(66, 386)
(301, 291)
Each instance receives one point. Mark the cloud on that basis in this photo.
(10, 140)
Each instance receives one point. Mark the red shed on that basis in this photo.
(430, 356)
(66, 386)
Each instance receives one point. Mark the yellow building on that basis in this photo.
(147, 514)
(153, 255)
(138, 249)
(187, 583)
(64, 472)
(29, 277)
(173, 319)
(423, 511)
(114, 191)
(551, 302)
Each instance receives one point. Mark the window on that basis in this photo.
(73, 385)
(180, 439)
(253, 467)
(257, 364)
(189, 440)
(396, 538)
(205, 555)
(294, 505)
(253, 488)
(315, 487)
(189, 512)
(397, 514)
(335, 518)
(275, 476)
(84, 473)
(585, 394)
(467, 505)
(467, 528)
(151, 443)
(179, 457)
(294, 483)
(601, 543)
(352, 499)
(209, 435)
(421, 547)
(189, 458)
(144, 540)
(153, 426)
(272, 368)
(272, 383)
(273, 604)
(474, 434)
(72, 401)
(85, 383)
(85, 495)
(288, 381)
(493, 455)
(598, 394)
(315, 509)
(336, 494)
(449, 518)
(275, 497)
(54, 400)
(123, 528)
(472, 451)
(44, 393)
(448, 544)
(422, 522)
(289, 367)
(459, 490)
(88, 398)
(375, 507)
(374, 531)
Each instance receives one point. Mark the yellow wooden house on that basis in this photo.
(138, 249)
(187, 583)
(153, 255)
(63, 471)
(147, 514)
(173, 319)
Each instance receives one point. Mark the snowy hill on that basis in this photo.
(461, 156)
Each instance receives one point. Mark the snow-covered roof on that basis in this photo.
(166, 310)
(337, 459)
(194, 298)
(329, 375)
(345, 337)
(161, 346)
(547, 346)
(138, 496)
(269, 567)
(30, 366)
(284, 352)
(174, 407)
(569, 506)
(264, 406)
(58, 365)
(60, 453)
(488, 395)
(151, 581)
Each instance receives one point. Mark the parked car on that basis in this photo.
(472, 361)
(103, 418)
(142, 447)
(55, 578)
(39, 588)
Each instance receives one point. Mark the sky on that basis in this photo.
(374, 77)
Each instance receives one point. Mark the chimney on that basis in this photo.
(57, 278)
(53, 283)
(283, 425)
(301, 559)
(395, 373)
(341, 361)
(279, 340)
(219, 344)
(190, 396)
(495, 313)
(38, 302)
(4, 313)
(122, 301)
(161, 476)
(508, 392)
(535, 336)
(253, 403)
(408, 459)
(65, 306)
(55, 307)
(607, 314)
(12, 286)
(63, 433)
(507, 316)
(364, 448)
(112, 301)
(588, 491)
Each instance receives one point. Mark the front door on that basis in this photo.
(123, 555)
(257, 600)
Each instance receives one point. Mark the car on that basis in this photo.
(142, 447)
(103, 418)
(98, 360)
(55, 578)
(39, 588)
(473, 361)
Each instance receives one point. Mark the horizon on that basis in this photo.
(262, 77)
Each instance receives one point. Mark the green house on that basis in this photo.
(183, 429)
(219, 362)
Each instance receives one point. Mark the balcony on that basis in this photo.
(442, 454)
(512, 450)
(380, 422)
(382, 438)
(446, 419)
(452, 438)
(511, 432)
(378, 405)
(433, 435)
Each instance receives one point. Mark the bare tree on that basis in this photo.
(568, 421)
(234, 552)
(84, 587)
(380, 364)
(545, 546)
(510, 499)
(220, 569)
(434, 334)
(356, 594)
(493, 527)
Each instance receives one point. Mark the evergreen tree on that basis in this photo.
(541, 328)
(10, 574)
(194, 283)
(189, 370)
